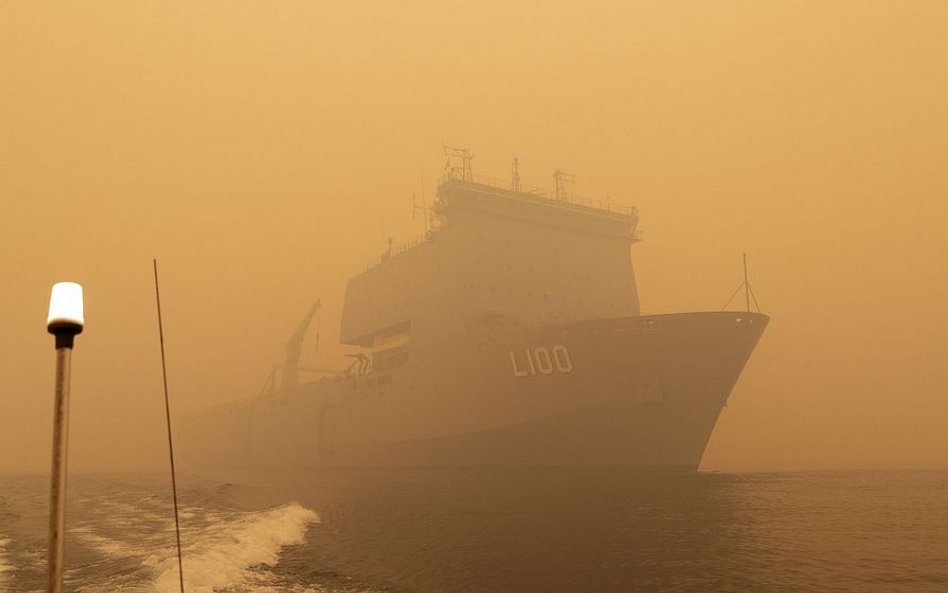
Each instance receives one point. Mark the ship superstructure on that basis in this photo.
(511, 334)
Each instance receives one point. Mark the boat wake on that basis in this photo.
(120, 537)
(5, 566)
(130, 545)
(232, 553)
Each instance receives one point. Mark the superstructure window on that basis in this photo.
(384, 362)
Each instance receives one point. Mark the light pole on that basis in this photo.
(65, 321)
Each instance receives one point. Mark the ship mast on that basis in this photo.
(747, 297)
(423, 207)
(748, 292)
(561, 183)
(453, 154)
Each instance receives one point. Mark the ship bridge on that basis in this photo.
(520, 255)
(567, 211)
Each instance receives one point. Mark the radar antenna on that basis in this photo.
(453, 155)
(561, 184)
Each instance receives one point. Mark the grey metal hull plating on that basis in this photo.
(643, 390)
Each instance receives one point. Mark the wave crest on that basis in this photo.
(223, 554)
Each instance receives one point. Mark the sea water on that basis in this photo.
(487, 529)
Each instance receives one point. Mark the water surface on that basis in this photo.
(489, 529)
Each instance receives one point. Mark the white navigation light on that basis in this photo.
(65, 308)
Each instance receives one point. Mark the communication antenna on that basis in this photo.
(561, 182)
(423, 207)
(453, 155)
(515, 175)
(429, 212)
(747, 286)
(748, 292)
(316, 349)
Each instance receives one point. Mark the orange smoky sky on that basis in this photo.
(264, 152)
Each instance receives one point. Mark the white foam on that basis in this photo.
(5, 565)
(221, 555)
(110, 547)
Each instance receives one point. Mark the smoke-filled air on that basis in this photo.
(528, 192)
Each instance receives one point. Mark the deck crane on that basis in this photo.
(294, 346)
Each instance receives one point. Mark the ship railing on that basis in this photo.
(397, 250)
(606, 204)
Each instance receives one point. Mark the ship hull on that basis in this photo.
(635, 391)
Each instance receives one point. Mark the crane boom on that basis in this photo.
(294, 347)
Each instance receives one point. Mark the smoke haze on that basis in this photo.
(265, 153)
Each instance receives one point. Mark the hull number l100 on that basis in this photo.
(541, 361)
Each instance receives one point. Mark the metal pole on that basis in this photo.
(57, 499)
(65, 322)
(747, 298)
(164, 379)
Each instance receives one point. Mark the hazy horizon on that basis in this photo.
(265, 154)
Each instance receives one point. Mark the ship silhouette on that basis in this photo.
(509, 334)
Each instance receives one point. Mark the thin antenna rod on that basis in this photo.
(316, 354)
(754, 297)
(164, 378)
(429, 222)
(747, 299)
(731, 298)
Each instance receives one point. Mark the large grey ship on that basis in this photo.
(511, 334)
